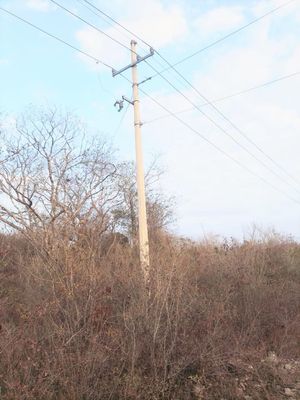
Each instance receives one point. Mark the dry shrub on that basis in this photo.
(77, 322)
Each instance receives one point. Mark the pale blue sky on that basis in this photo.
(213, 194)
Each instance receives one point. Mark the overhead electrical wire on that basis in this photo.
(228, 134)
(100, 15)
(92, 26)
(89, 24)
(219, 149)
(203, 48)
(104, 17)
(198, 108)
(170, 66)
(100, 12)
(219, 111)
(227, 36)
(158, 103)
(220, 99)
(234, 125)
(96, 59)
(116, 22)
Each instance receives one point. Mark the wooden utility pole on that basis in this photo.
(143, 228)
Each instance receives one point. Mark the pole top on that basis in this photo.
(133, 42)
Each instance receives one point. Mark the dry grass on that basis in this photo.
(78, 324)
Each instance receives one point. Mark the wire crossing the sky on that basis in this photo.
(96, 59)
(227, 36)
(227, 133)
(154, 100)
(220, 113)
(215, 146)
(170, 66)
(91, 25)
(229, 96)
(203, 48)
(219, 149)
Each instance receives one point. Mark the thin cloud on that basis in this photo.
(219, 19)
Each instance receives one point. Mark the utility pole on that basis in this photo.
(143, 228)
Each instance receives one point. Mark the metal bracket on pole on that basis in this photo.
(128, 101)
(145, 80)
(138, 60)
(120, 103)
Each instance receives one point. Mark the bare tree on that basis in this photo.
(51, 178)
(159, 207)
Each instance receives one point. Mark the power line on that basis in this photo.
(116, 22)
(91, 25)
(227, 36)
(207, 101)
(225, 131)
(121, 44)
(97, 60)
(194, 105)
(96, 12)
(219, 149)
(95, 27)
(202, 49)
(225, 117)
(220, 99)
(174, 115)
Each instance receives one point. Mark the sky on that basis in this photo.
(214, 194)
